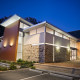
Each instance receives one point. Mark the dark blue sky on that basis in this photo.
(64, 14)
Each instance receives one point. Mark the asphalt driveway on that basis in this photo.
(26, 74)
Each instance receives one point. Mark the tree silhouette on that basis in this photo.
(30, 19)
(1, 27)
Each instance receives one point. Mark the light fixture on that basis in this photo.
(57, 47)
(68, 49)
(5, 43)
(11, 43)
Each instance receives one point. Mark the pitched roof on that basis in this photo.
(50, 26)
(13, 19)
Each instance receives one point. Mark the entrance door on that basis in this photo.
(73, 55)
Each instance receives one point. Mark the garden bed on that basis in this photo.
(9, 65)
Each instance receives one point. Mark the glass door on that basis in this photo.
(73, 55)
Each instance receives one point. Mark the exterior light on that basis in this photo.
(57, 47)
(68, 49)
(5, 43)
(11, 42)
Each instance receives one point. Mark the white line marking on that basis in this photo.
(33, 76)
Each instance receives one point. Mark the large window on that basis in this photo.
(25, 26)
(72, 43)
(58, 34)
(65, 37)
(22, 25)
(49, 30)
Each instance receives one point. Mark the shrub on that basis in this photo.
(30, 64)
(23, 66)
(20, 61)
(3, 68)
(32, 67)
(12, 67)
(4, 61)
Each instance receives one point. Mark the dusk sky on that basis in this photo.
(65, 14)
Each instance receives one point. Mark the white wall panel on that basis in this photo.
(41, 29)
(33, 32)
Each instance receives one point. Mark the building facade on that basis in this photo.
(42, 42)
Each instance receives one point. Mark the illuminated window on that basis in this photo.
(22, 25)
(72, 43)
(65, 37)
(58, 34)
(25, 26)
(49, 30)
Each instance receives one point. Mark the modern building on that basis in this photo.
(42, 42)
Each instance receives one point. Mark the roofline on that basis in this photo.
(34, 26)
(61, 30)
(45, 22)
(18, 18)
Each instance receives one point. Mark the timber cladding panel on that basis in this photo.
(10, 37)
(61, 55)
(33, 53)
(78, 50)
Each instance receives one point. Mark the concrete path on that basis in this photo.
(26, 74)
(58, 69)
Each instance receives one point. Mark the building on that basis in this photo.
(42, 42)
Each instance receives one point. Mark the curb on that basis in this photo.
(14, 70)
(59, 74)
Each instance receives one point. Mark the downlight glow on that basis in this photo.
(57, 47)
(68, 49)
(5, 43)
(11, 42)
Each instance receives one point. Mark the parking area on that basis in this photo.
(26, 74)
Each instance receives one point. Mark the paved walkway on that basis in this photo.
(26, 74)
(70, 64)
(66, 67)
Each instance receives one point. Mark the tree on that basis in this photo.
(1, 27)
(32, 20)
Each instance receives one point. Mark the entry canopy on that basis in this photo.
(13, 19)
